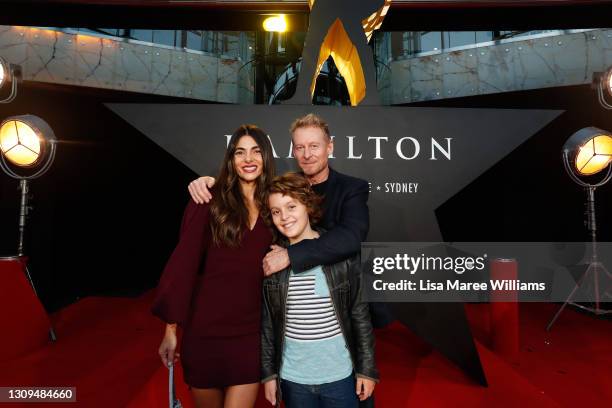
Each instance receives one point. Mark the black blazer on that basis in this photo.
(346, 220)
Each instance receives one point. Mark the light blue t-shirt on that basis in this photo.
(315, 350)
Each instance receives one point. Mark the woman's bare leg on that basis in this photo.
(241, 396)
(207, 397)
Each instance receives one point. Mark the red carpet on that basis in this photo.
(107, 348)
(17, 294)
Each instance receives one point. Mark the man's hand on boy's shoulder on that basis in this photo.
(276, 260)
(200, 189)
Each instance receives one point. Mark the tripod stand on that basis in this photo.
(44, 154)
(23, 214)
(595, 269)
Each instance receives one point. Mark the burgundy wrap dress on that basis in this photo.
(214, 294)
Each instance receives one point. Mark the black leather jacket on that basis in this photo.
(344, 281)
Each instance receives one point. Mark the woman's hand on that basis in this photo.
(270, 391)
(199, 189)
(365, 388)
(167, 348)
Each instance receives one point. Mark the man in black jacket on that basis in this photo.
(345, 215)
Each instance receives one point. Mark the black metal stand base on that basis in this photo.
(52, 335)
(592, 271)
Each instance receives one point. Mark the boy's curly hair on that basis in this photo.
(297, 186)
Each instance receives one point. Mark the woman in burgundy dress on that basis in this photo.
(211, 286)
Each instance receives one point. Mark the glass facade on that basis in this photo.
(233, 44)
(402, 44)
(268, 62)
(406, 44)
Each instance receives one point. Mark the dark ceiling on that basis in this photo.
(248, 15)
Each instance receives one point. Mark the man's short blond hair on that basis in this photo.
(310, 120)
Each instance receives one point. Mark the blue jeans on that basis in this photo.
(338, 394)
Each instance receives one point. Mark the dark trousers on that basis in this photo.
(338, 394)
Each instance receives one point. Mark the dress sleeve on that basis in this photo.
(174, 292)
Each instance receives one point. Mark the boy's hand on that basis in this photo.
(364, 388)
(270, 391)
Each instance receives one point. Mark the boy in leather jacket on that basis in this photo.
(317, 338)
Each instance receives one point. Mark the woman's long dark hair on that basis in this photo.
(229, 214)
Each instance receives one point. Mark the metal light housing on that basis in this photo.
(10, 75)
(607, 81)
(602, 81)
(588, 151)
(3, 72)
(26, 142)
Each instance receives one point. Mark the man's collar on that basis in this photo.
(331, 179)
(331, 175)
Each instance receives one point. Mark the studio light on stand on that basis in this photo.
(27, 146)
(602, 82)
(10, 76)
(586, 153)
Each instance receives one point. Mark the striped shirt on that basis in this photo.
(310, 316)
(315, 351)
